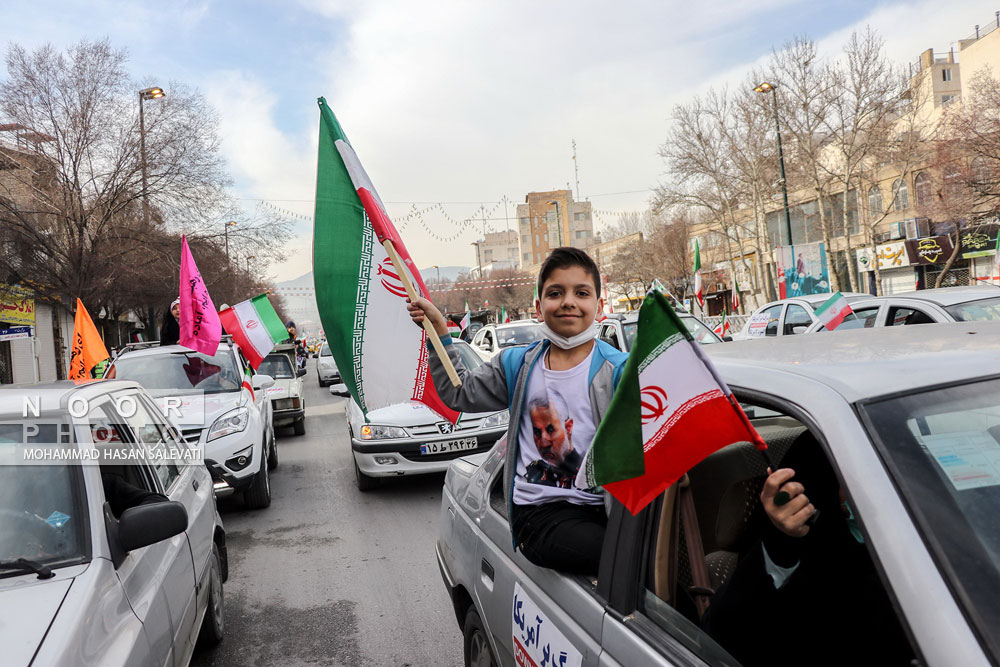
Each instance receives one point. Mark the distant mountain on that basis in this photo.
(447, 272)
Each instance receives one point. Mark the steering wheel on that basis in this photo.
(30, 532)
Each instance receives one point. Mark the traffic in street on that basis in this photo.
(328, 575)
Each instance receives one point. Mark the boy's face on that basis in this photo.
(568, 301)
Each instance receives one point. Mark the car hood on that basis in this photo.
(27, 608)
(411, 413)
(198, 410)
(284, 388)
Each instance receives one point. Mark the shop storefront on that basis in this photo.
(929, 256)
(894, 267)
(979, 248)
(17, 323)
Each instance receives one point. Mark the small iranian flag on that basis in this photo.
(723, 326)
(382, 356)
(453, 329)
(467, 318)
(697, 275)
(833, 311)
(255, 326)
(736, 296)
(670, 411)
(504, 317)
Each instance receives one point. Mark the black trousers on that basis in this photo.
(561, 535)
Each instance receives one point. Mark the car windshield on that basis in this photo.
(943, 448)
(277, 366)
(326, 352)
(519, 335)
(471, 360)
(42, 507)
(698, 331)
(981, 309)
(181, 372)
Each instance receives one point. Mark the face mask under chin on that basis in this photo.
(565, 343)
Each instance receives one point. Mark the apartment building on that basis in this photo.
(550, 219)
(498, 249)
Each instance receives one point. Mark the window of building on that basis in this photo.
(875, 201)
(947, 99)
(526, 239)
(525, 222)
(526, 257)
(901, 200)
(980, 171)
(550, 216)
(922, 188)
(579, 216)
(946, 75)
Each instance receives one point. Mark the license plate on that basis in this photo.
(448, 446)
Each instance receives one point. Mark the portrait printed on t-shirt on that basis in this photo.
(552, 430)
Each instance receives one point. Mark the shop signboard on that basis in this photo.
(931, 250)
(979, 241)
(890, 255)
(17, 306)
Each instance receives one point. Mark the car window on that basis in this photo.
(471, 360)
(608, 335)
(900, 316)
(478, 338)
(152, 434)
(181, 372)
(863, 318)
(519, 335)
(629, 330)
(326, 351)
(942, 447)
(488, 337)
(714, 599)
(981, 309)
(699, 331)
(796, 316)
(277, 366)
(772, 313)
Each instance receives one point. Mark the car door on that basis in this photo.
(176, 577)
(531, 612)
(796, 320)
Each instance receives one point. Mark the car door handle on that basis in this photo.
(487, 569)
(194, 484)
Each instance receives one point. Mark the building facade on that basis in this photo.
(498, 248)
(551, 219)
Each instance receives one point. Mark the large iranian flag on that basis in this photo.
(670, 411)
(255, 326)
(381, 355)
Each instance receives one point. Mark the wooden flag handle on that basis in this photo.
(428, 327)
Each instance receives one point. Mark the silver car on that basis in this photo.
(909, 418)
(492, 338)
(618, 330)
(411, 439)
(788, 317)
(96, 568)
(930, 306)
(326, 367)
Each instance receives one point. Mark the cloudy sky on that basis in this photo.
(463, 103)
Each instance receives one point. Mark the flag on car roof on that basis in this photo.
(255, 326)
(201, 329)
(723, 326)
(88, 346)
(670, 410)
(833, 311)
(381, 355)
(467, 318)
(697, 275)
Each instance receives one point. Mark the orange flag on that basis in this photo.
(88, 347)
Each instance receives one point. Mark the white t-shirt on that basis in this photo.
(557, 427)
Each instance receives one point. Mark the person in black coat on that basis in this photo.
(170, 329)
(807, 594)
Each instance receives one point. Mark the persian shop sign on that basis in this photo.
(979, 241)
(890, 256)
(933, 250)
(17, 306)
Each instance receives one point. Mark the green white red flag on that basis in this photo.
(670, 410)
(697, 275)
(833, 311)
(381, 355)
(736, 296)
(255, 326)
(723, 327)
(467, 318)
(504, 317)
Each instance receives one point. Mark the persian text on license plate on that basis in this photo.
(448, 446)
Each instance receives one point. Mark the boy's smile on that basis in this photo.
(568, 301)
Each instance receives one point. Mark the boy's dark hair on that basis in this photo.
(564, 258)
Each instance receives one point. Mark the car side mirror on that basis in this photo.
(261, 381)
(143, 525)
(340, 390)
(300, 372)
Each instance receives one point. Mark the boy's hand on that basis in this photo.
(420, 308)
(786, 503)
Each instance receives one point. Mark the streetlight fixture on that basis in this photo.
(438, 269)
(228, 224)
(558, 222)
(153, 93)
(767, 87)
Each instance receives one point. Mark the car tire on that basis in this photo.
(272, 454)
(365, 482)
(213, 624)
(258, 494)
(477, 643)
(300, 426)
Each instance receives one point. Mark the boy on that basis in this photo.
(557, 391)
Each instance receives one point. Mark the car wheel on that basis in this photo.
(213, 626)
(258, 494)
(272, 454)
(300, 426)
(365, 482)
(477, 645)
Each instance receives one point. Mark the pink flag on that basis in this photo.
(201, 329)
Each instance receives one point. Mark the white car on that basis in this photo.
(411, 439)
(492, 338)
(219, 403)
(95, 567)
(288, 402)
(788, 317)
(326, 367)
(930, 306)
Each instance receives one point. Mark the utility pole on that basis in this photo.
(576, 171)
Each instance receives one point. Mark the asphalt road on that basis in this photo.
(328, 575)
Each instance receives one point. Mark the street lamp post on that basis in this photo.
(153, 93)
(772, 88)
(438, 269)
(558, 221)
(229, 223)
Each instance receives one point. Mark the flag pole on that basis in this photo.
(431, 333)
